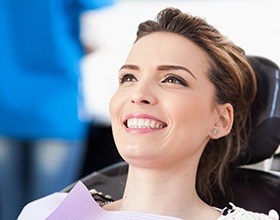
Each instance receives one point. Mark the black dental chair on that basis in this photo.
(254, 190)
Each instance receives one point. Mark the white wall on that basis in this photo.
(252, 24)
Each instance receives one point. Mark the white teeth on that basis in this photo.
(147, 123)
(144, 123)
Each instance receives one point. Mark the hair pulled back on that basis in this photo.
(234, 81)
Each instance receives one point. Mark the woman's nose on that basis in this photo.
(143, 96)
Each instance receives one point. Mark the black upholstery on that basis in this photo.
(110, 180)
(265, 137)
(254, 190)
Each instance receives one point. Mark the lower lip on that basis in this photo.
(141, 130)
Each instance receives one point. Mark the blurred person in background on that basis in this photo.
(42, 130)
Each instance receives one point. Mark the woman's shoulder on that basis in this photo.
(233, 212)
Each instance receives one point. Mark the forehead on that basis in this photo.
(168, 48)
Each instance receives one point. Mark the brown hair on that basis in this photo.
(234, 82)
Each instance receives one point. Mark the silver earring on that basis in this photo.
(214, 131)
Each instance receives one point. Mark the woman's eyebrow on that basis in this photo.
(175, 67)
(130, 67)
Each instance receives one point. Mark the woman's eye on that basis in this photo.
(175, 80)
(127, 78)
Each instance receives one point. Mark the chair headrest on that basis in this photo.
(265, 136)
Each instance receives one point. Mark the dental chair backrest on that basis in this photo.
(253, 189)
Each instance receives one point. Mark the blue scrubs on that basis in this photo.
(40, 101)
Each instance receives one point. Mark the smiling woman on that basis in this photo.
(162, 88)
(179, 119)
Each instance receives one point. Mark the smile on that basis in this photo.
(144, 123)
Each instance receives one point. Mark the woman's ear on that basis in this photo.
(224, 122)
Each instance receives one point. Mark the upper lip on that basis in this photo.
(144, 116)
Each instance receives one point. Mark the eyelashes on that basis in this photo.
(127, 77)
(175, 79)
(168, 79)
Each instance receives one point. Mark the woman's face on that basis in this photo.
(163, 110)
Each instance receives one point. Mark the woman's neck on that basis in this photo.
(156, 191)
(163, 193)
